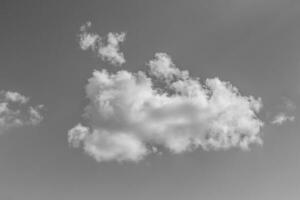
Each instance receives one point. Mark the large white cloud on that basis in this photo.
(109, 50)
(129, 114)
(15, 111)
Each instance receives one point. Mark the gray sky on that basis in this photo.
(254, 44)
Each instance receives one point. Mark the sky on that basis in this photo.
(253, 44)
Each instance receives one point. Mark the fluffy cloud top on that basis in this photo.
(109, 50)
(281, 118)
(131, 114)
(15, 111)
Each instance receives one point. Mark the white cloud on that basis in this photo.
(131, 114)
(162, 67)
(105, 146)
(15, 112)
(35, 116)
(109, 50)
(14, 97)
(288, 107)
(281, 118)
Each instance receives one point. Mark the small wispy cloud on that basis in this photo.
(288, 104)
(281, 118)
(108, 50)
(287, 107)
(131, 114)
(15, 111)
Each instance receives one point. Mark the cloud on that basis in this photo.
(130, 114)
(15, 111)
(35, 115)
(14, 97)
(281, 118)
(109, 50)
(288, 104)
(288, 107)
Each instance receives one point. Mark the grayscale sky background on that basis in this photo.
(254, 44)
